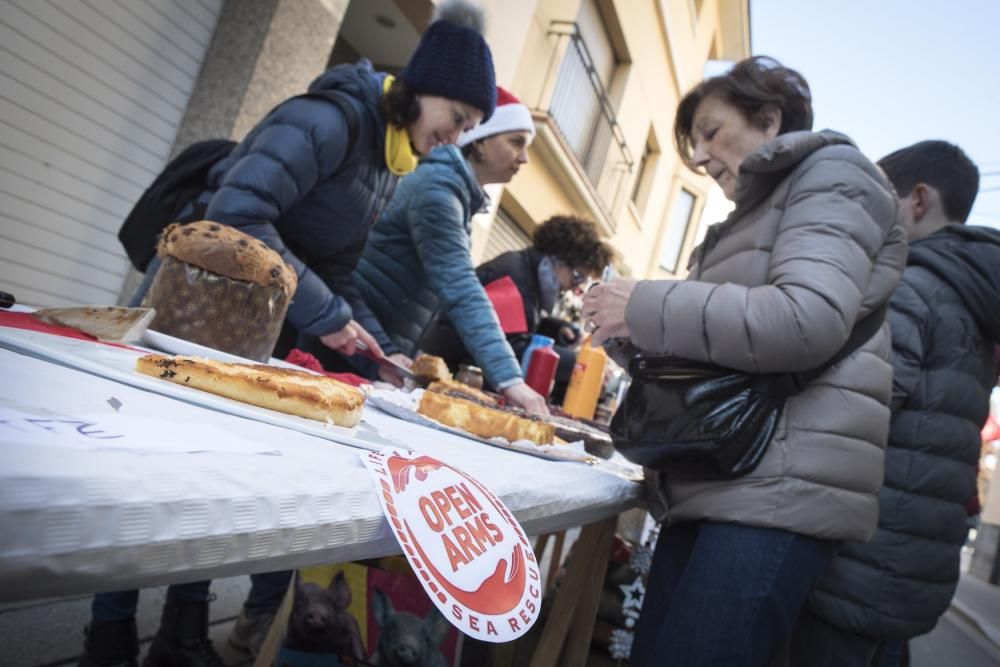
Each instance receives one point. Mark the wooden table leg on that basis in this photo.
(276, 633)
(578, 643)
(577, 598)
(556, 559)
(540, 544)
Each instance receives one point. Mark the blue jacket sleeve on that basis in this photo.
(300, 144)
(438, 228)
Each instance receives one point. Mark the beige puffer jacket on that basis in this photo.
(813, 246)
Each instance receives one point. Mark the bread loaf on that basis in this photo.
(283, 389)
(483, 421)
(220, 288)
(455, 387)
(430, 368)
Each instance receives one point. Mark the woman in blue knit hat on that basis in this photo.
(309, 180)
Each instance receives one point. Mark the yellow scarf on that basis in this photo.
(399, 155)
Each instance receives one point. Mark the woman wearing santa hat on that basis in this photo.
(417, 261)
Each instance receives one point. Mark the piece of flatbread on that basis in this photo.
(283, 389)
(114, 324)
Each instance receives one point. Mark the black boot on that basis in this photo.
(110, 644)
(182, 639)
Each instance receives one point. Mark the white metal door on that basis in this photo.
(92, 93)
(505, 234)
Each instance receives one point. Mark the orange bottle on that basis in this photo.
(585, 384)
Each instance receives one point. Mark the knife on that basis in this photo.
(404, 373)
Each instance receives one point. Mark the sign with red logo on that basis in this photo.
(467, 549)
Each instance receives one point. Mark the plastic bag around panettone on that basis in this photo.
(236, 316)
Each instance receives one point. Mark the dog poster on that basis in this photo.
(358, 614)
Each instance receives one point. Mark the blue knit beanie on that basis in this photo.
(453, 60)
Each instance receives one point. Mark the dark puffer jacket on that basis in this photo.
(945, 319)
(418, 261)
(522, 267)
(301, 183)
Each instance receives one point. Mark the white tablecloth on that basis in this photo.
(187, 492)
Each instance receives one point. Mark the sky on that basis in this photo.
(889, 73)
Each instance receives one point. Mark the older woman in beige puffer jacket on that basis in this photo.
(812, 247)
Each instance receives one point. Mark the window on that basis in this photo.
(673, 240)
(644, 175)
(584, 79)
(591, 57)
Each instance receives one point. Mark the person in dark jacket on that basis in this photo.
(417, 260)
(945, 318)
(566, 251)
(309, 180)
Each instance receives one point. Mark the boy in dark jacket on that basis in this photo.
(945, 319)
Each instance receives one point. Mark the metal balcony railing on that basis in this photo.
(582, 112)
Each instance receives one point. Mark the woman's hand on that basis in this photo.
(388, 375)
(525, 397)
(604, 310)
(344, 341)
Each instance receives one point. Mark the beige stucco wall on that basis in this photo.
(667, 49)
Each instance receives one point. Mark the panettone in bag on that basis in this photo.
(220, 288)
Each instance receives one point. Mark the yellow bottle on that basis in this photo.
(585, 384)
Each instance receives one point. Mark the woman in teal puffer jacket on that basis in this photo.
(417, 260)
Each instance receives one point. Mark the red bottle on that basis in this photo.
(542, 370)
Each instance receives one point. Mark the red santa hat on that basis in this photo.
(510, 116)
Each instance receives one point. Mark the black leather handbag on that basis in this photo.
(695, 420)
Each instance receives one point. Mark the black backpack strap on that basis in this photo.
(177, 184)
(862, 332)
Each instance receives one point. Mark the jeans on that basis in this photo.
(266, 592)
(724, 594)
(147, 282)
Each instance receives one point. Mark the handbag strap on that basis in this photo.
(862, 332)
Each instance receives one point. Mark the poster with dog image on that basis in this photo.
(362, 614)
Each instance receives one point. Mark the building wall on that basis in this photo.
(254, 53)
(666, 47)
(91, 99)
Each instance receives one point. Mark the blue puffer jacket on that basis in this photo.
(302, 185)
(417, 261)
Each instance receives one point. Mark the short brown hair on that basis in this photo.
(400, 104)
(574, 242)
(749, 86)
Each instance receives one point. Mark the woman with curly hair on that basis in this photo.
(565, 252)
